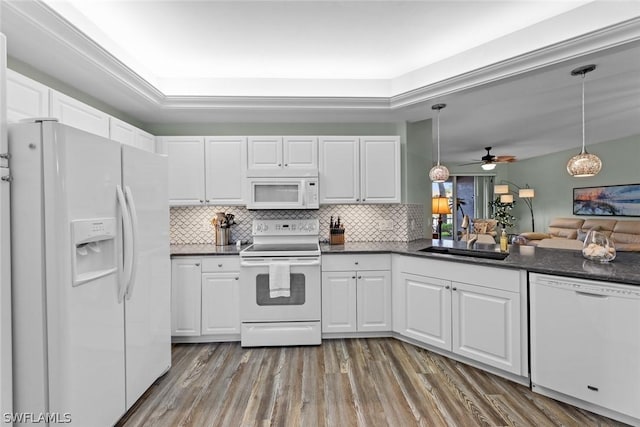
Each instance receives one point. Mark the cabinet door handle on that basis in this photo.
(359, 277)
(353, 277)
(286, 165)
(279, 164)
(357, 200)
(201, 201)
(207, 201)
(220, 265)
(237, 278)
(364, 200)
(198, 264)
(592, 388)
(356, 262)
(455, 289)
(447, 287)
(589, 294)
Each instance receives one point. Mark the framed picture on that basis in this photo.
(609, 200)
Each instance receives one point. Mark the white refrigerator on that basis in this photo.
(6, 390)
(91, 273)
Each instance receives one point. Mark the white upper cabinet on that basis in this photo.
(380, 169)
(205, 170)
(144, 140)
(26, 98)
(225, 170)
(72, 112)
(264, 155)
(339, 169)
(300, 154)
(186, 169)
(359, 169)
(125, 133)
(282, 156)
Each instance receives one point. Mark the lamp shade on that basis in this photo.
(440, 206)
(506, 198)
(501, 189)
(526, 193)
(488, 166)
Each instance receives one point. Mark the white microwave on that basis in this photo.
(283, 193)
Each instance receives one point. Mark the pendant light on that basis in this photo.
(438, 173)
(583, 164)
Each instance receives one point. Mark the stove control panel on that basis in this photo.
(285, 227)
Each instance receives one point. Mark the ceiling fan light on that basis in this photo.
(439, 173)
(488, 166)
(584, 164)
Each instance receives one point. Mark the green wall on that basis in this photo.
(346, 129)
(416, 165)
(554, 186)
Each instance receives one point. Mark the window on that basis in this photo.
(471, 194)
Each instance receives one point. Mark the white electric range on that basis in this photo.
(280, 296)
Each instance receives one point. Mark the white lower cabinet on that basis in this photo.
(356, 300)
(186, 277)
(205, 298)
(585, 344)
(476, 312)
(220, 303)
(486, 325)
(427, 310)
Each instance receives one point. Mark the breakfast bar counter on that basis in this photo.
(624, 269)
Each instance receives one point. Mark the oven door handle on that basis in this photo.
(310, 263)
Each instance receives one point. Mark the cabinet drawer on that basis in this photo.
(359, 262)
(220, 264)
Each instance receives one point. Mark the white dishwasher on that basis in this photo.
(585, 343)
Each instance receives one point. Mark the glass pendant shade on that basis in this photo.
(583, 164)
(439, 173)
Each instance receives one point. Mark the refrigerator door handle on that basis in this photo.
(128, 243)
(135, 238)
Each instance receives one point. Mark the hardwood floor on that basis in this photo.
(352, 382)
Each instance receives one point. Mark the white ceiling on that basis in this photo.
(501, 66)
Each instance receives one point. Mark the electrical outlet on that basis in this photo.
(385, 225)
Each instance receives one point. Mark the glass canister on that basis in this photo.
(598, 247)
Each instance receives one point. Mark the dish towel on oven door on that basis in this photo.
(279, 283)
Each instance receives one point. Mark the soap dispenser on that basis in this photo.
(503, 241)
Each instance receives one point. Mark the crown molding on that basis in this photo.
(37, 17)
(616, 36)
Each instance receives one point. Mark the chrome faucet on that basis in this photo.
(471, 240)
(466, 227)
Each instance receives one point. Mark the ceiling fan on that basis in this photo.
(489, 161)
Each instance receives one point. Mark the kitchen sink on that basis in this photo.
(465, 252)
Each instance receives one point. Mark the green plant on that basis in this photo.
(447, 229)
(502, 213)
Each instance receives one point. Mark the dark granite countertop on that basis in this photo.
(624, 269)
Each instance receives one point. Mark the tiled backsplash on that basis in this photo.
(191, 225)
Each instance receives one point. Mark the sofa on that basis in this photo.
(483, 230)
(569, 233)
